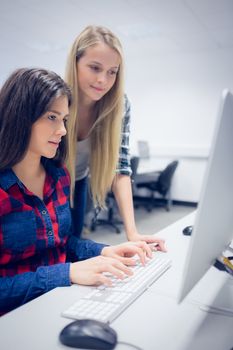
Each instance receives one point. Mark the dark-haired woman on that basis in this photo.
(37, 249)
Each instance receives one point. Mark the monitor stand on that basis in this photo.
(214, 292)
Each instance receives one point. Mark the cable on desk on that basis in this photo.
(130, 345)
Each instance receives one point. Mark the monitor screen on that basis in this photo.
(213, 226)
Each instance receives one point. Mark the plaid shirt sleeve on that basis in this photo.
(124, 154)
(82, 249)
(21, 288)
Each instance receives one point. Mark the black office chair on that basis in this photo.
(159, 182)
(112, 217)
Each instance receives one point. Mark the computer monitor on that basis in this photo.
(213, 226)
(143, 149)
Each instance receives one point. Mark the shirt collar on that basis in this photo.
(51, 168)
(8, 177)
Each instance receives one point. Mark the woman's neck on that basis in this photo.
(86, 119)
(32, 174)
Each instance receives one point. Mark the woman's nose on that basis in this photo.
(102, 77)
(62, 129)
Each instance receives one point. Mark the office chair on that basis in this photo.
(159, 182)
(111, 219)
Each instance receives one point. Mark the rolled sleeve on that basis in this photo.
(123, 166)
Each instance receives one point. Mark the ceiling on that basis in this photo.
(29, 28)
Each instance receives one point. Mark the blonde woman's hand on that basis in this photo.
(91, 271)
(155, 242)
(125, 251)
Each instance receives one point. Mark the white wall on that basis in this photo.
(175, 100)
(175, 97)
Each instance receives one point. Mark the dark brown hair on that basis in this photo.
(26, 95)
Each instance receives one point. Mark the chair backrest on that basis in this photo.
(134, 162)
(165, 177)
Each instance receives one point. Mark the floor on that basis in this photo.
(147, 223)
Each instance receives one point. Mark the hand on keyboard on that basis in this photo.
(114, 260)
(125, 252)
(105, 303)
(90, 271)
(152, 240)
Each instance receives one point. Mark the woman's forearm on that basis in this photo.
(123, 193)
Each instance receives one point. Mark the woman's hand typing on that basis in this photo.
(125, 251)
(91, 271)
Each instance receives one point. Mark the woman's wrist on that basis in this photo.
(71, 273)
(104, 251)
(132, 234)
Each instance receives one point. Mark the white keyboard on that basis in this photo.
(106, 303)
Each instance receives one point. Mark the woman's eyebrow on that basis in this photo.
(100, 64)
(57, 112)
(54, 111)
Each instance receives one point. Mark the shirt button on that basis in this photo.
(44, 212)
(50, 233)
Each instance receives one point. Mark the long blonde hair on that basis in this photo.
(106, 131)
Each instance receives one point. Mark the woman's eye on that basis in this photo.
(113, 72)
(95, 68)
(52, 117)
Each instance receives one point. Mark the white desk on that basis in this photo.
(154, 321)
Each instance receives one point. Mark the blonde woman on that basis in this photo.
(98, 128)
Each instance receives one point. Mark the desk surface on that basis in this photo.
(153, 321)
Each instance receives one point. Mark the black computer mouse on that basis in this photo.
(187, 231)
(89, 334)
